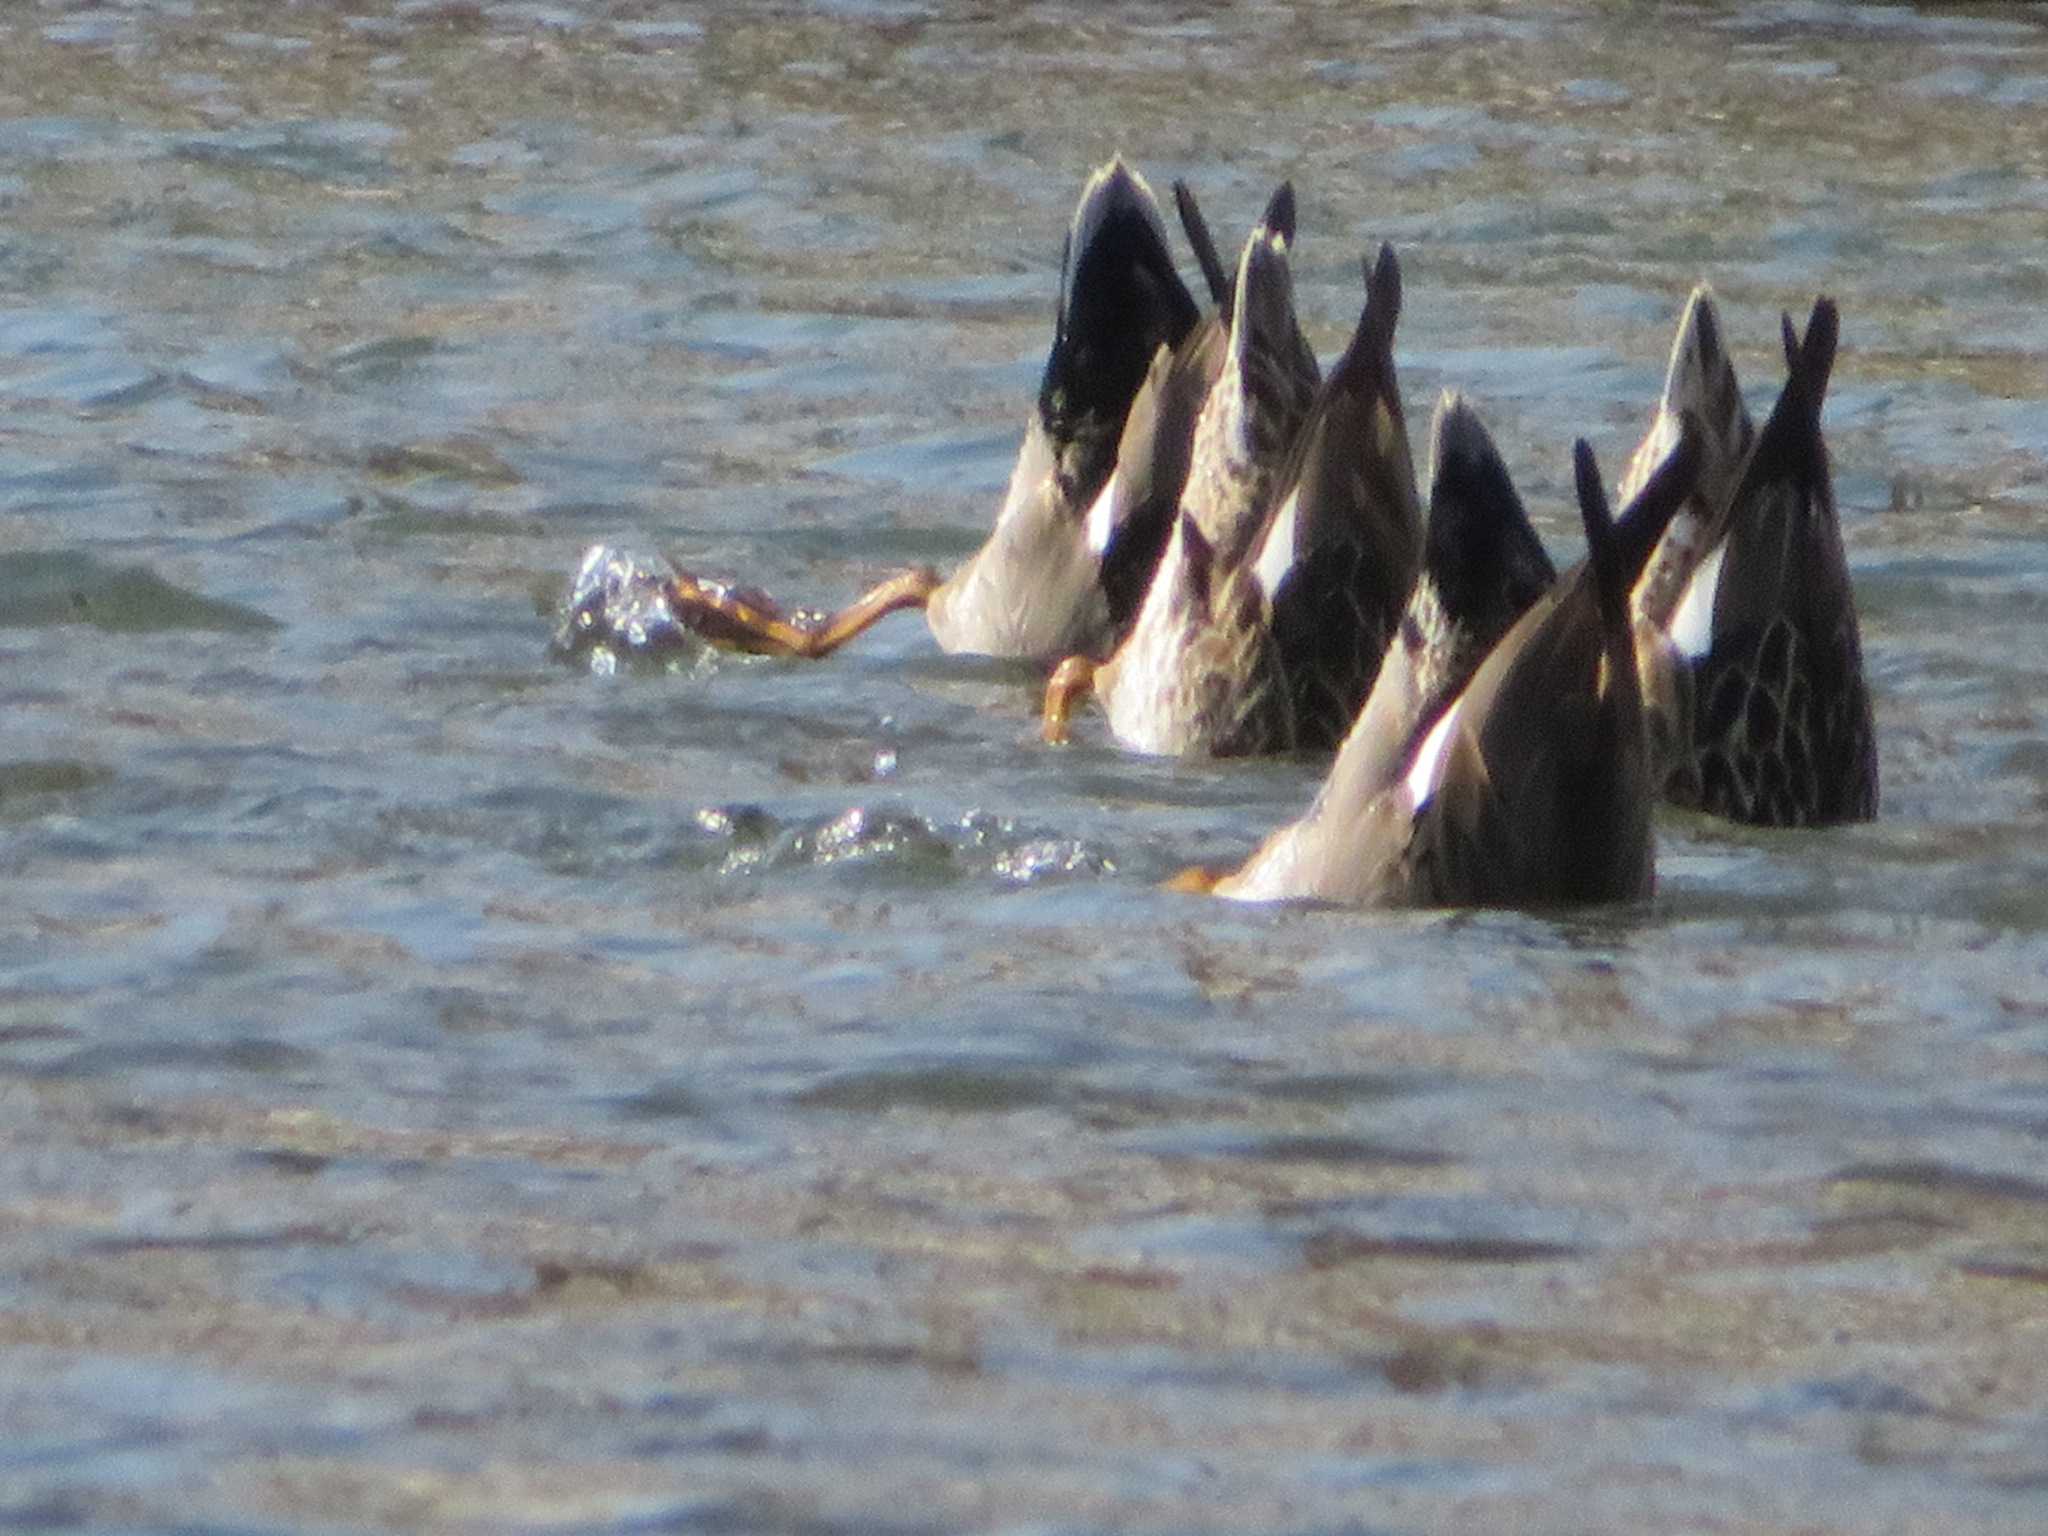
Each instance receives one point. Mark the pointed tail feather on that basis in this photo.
(1789, 449)
(1461, 449)
(1383, 301)
(1369, 357)
(1650, 512)
(1601, 553)
(1279, 214)
(1114, 192)
(1214, 273)
(1811, 360)
(1267, 385)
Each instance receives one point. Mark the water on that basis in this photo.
(445, 1090)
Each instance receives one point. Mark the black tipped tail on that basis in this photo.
(1383, 289)
(1811, 359)
(1121, 298)
(1214, 273)
(1262, 312)
(1707, 326)
(1382, 306)
(1601, 551)
(1486, 561)
(1789, 448)
(1279, 215)
(1369, 356)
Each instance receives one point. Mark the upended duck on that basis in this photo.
(1133, 514)
(1747, 640)
(1040, 587)
(1482, 566)
(1297, 537)
(1527, 784)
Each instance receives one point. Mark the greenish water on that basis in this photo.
(441, 1089)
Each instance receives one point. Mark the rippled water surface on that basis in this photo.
(443, 1089)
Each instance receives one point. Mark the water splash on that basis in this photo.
(618, 609)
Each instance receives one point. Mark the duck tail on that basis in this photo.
(1382, 303)
(1117, 241)
(1790, 450)
(1699, 379)
(1120, 298)
(1479, 549)
(1810, 362)
(1702, 377)
(1811, 359)
(1263, 307)
(1602, 553)
(1214, 273)
(1369, 358)
(1278, 219)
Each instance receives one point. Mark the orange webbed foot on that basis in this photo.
(1070, 680)
(742, 619)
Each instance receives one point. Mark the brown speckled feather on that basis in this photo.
(1780, 724)
(1305, 516)
(1341, 549)
(1195, 674)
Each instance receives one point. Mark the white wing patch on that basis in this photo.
(1276, 555)
(1427, 769)
(1692, 626)
(1104, 516)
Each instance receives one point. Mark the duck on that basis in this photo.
(1040, 587)
(1483, 565)
(1296, 538)
(1532, 786)
(1131, 517)
(1748, 644)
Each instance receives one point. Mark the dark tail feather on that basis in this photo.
(1644, 519)
(1789, 447)
(1370, 354)
(1601, 553)
(1279, 215)
(1214, 273)
(1710, 333)
(1382, 304)
(1383, 291)
(1811, 360)
(1486, 561)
